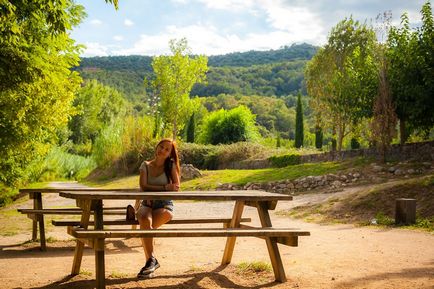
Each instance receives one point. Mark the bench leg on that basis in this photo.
(99, 247)
(37, 204)
(273, 250)
(79, 246)
(235, 223)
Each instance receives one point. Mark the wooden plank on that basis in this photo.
(273, 250)
(287, 241)
(40, 220)
(69, 212)
(235, 223)
(245, 195)
(35, 221)
(135, 222)
(76, 189)
(78, 254)
(188, 232)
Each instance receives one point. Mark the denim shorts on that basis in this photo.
(159, 204)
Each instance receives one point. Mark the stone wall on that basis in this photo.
(423, 151)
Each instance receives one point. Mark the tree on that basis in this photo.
(299, 130)
(225, 127)
(36, 84)
(342, 76)
(175, 76)
(98, 106)
(191, 129)
(410, 70)
(318, 137)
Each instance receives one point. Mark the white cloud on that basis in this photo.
(207, 39)
(231, 5)
(128, 22)
(300, 22)
(95, 49)
(96, 22)
(118, 37)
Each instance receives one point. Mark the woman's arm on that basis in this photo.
(176, 183)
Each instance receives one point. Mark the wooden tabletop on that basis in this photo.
(244, 195)
(70, 189)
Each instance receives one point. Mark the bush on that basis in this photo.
(285, 160)
(225, 127)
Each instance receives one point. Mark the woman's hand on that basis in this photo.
(172, 187)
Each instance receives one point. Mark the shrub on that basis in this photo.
(285, 160)
(225, 127)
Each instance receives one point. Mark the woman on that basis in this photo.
(158, 174)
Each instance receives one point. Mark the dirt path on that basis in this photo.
(337, 256)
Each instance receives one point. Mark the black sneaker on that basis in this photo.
(149, 268)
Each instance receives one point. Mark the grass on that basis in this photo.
(253, 267)
(212, 179)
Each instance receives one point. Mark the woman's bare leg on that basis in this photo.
(161, 217)
(144, 216)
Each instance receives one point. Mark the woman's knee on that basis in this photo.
(144, 217)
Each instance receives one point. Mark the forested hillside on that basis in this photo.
(275, 72)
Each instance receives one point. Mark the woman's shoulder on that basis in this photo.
(144, 165)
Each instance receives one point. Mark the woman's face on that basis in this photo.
(164, 149)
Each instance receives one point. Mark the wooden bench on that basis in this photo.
(284, 236)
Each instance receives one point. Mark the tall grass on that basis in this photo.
(124, 143)
(59, 164)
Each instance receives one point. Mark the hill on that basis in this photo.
(274, 72)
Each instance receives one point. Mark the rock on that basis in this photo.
(356, 175)
(188, 172)
(399, 172)
(392, 170)
(337, 184)
(411, 171)
(377, 168)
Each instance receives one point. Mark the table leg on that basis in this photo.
(99, 247)
(84, 222)
(235, 223)
(37, 203)
(34, 220)
(273, 250)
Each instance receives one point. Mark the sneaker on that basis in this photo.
(149, 268)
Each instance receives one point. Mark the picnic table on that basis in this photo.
(263, 201)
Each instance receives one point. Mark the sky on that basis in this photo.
(213, 27)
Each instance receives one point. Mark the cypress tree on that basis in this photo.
(299, 133)
(318, 137)
(190, 129)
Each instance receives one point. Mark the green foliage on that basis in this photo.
(382, 219)
(125, 144)
(410, 71)
(299, 125)
(98, 106)
(355, 144)
(342, 77)
(36, 85)
(175, 76)
(271, 113)
(285, 160)
(275, 72)
(59, 164)
(225, 127)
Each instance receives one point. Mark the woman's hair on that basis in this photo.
(171, 160)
